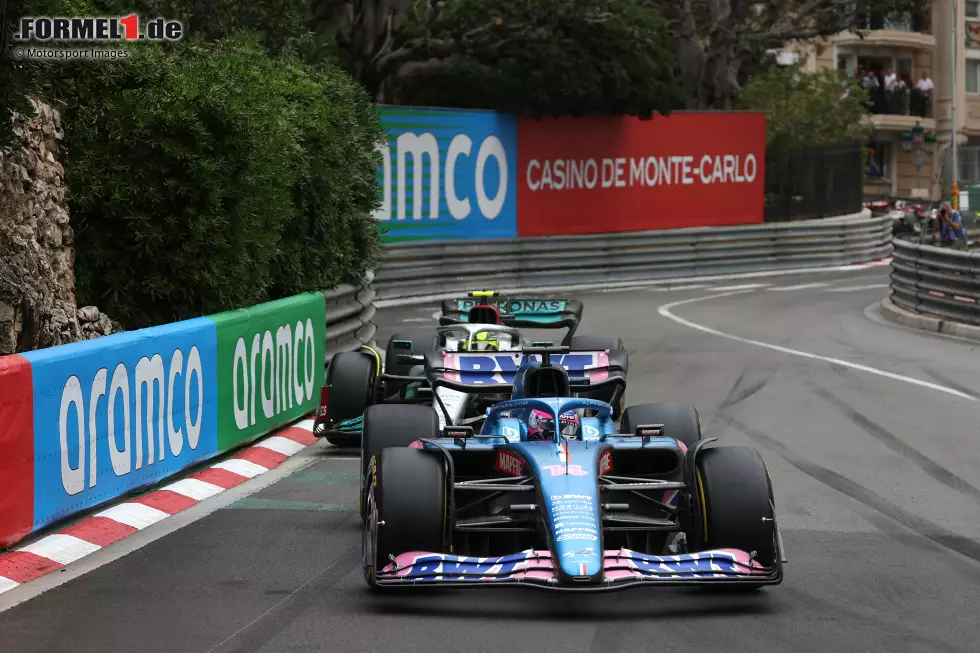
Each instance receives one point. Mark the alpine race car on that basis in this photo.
(356, 380)
(548, 493)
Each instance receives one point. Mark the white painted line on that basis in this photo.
(429, 299)
(748, 286)
(802, 286)
(245, 468)
(623, 289)
(306, 425)
(696, 286)
(194, 488)
(282, 445)
(665, 311)
(133, 514)
(417, 319)
(7, 584)
(871, 286)
(61, 548)
(435, 316)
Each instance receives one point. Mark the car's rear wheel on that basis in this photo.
(350, 378)
(408, 505)
(734, 494)
(681, 421)
(393, 425)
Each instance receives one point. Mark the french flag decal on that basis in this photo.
(581, 570)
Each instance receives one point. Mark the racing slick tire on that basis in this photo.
(681, 421)
(351, 380)
(423, 342)
(599, 343)
(393, 425)
(734, 491)
(409, 498)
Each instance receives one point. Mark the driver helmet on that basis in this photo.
(541, 425)
(482, 341)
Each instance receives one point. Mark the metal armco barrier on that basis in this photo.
(350, 311)
(420, 269)
(936, 281)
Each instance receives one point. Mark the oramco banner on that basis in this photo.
(88, 422)
(270, 366)
(447, 175)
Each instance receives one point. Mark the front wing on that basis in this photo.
(622, 568)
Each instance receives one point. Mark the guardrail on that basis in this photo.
(936, 281)
(420, 269)
(350, 311)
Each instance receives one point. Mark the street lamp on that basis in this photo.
(917, 139)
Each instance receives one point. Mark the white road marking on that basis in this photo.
(871, 286)
(61, 548)
(435, 316)
(194, 488)
(134, 514)
(306, 425)
(416, 319)
(282, 445)
(696, 286)
(429, 299)
(665, 310)
(802, 286)
(748, 286)
(623, 289)
(245, 468)
(7, 584)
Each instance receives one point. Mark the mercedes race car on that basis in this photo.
(549, 493)
(357, 380)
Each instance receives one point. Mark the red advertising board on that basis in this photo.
(607, 174)
(16, 449)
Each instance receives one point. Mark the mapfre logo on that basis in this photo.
(508, 463)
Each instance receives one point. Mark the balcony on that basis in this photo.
(900, 109)
(910, 30)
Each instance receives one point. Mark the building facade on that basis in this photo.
(910, 45)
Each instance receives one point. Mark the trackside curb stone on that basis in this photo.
(895, 313)
(118, 521)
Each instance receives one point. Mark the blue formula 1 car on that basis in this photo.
(548, 493)
(485, 322)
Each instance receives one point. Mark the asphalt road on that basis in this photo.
(877, 482)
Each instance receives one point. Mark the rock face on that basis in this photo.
(37, 257)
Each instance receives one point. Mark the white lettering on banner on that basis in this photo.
(286, 375)
(422, 146)
(148, 373)
(570, 174)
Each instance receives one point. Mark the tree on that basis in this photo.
(621, 64)
(715, 39)
(807, 109)
(393, 44)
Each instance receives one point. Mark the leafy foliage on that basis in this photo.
(198, 170)
(717, 39)
(600, 57)
(807, 109)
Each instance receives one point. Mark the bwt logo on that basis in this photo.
(280, 375)
(150, 374)
(502, 368)
(424, 146)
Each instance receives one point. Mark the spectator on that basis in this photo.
(950, 227)
(923, 96)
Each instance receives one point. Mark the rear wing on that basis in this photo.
(520, 312)
(493, 372)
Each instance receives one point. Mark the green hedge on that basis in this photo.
(204, 178)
